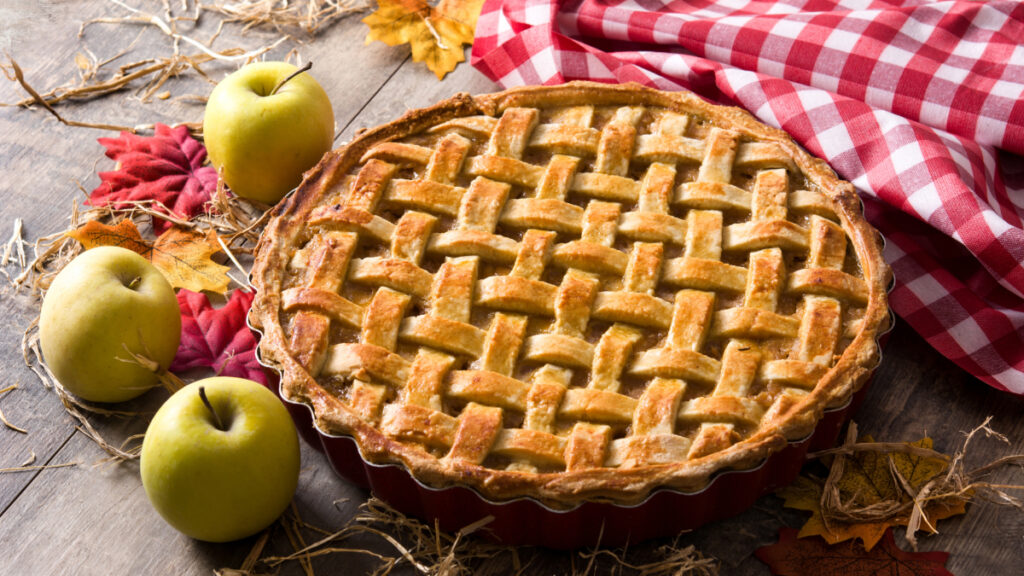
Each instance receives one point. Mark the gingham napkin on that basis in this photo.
(919, 104)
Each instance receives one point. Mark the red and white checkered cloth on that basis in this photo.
(919, 104)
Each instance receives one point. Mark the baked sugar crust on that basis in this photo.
(571, 293)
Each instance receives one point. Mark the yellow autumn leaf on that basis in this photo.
(436, 35)
(183, 256)
(868, 479)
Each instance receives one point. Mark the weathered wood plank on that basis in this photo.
(26, 156)
(30, 406)
(39, 162)
(96, 520)
(42, 160)
(414, 86)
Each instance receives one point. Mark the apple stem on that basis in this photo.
(206, 402)
(290, 76)
(134, 283)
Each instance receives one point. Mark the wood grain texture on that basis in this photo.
(94, 519)
(28, 407)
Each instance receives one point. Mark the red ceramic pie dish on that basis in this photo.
(526, 522)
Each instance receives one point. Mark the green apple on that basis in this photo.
(261, 141)
(106, 305)
(224, 467)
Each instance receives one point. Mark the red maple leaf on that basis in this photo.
(167, 167)
(217, 338)
(792, 556)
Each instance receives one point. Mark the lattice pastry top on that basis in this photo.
(573, 292)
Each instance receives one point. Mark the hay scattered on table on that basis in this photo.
(310, 17)
(27, 465)
(14, 249)
(292, 22)
(13, 72)
(670, 560)
(3, 418)
(429, 550)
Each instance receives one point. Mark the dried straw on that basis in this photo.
(673, 560)
(52, 252)
(249, 564)
(169, 27)
(32, 468)
(310, 17)
(26, 466)
(428, 550)
(149, 75)
(13, 72)
(240, 220)
(14, 249)
(286, 18)
(3, 418)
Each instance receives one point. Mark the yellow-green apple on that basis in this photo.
(104, 307)
(262, 135)
(220, 460)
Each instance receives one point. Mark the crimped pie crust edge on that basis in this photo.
(563, 490)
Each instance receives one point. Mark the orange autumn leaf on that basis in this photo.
(183, 256)
(124, 234)
(436, 34)
(868, 479)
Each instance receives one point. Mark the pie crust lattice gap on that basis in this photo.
(572, 292)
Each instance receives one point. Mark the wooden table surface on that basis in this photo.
(93, 518)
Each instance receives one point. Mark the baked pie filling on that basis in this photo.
(570, 293)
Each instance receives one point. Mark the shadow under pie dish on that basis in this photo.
(579, 299)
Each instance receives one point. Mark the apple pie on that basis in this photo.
(571, 293)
